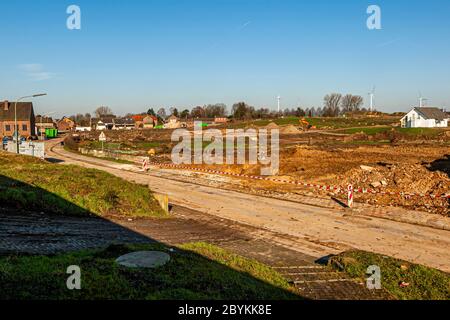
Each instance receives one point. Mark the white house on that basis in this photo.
(101, 126)
(425, 117)
(83, 129)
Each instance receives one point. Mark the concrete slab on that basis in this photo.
(144, 259)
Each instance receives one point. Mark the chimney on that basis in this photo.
(6, 105)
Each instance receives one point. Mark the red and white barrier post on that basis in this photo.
(350, 196)
(145, 167)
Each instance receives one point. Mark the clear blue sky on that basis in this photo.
(131, 55)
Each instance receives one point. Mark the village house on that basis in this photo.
(172, 123)
(425, 117)
(25, 119)
(108, 122)
(123, 124)
(43, 123)
(149, 122)
(138, 121)
(221, 120)
(82, 128)
(65, 125)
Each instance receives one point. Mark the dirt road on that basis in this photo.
(312, 230)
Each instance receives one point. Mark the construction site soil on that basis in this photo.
(385, 162)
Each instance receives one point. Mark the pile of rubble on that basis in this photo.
(403, 178)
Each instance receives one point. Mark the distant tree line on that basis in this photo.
(334, 104)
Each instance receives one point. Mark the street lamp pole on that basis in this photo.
(16, 128)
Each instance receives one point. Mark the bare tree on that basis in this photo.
(215, 110)
(346, 103)
(198, 112)
(162, 113)
(331, 104)
(103, 111)
(351, 103)
(242, 111)
(357, 102)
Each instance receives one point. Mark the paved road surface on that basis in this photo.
(312, 230)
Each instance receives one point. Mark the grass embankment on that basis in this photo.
(116, 160)
(32, 184)
(323, 122)
(196, 271)
(412, 132)
(424, 283)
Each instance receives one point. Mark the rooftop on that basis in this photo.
(24, 111)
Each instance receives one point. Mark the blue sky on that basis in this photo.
(131, 55)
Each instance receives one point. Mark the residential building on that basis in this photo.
(43, 123)
(25, 119)
(123, 124)
(65, 125)
(138, 120)
(149, 122)
(220, 120)
(172, 123)
(425, 117)
(108, 122)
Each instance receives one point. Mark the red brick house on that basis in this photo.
(25, 119)
(65, 125)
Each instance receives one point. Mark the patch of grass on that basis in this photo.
(139, 145)
(323, 122)
(369, 130)
(29, 183)
(424, 283)
(196, 271)
(420, 131)
(120, 161)
(106, 145)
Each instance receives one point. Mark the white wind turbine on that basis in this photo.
(279, 103)
(372, 99)
(421, 100)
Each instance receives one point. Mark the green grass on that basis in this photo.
(141, 145)
(196, 271)
(412, 132)
(322, 122)
(420, 131)
(32, 184)
(107, 146)
(424, 283)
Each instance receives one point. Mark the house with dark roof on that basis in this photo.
(425, 117)
(123, 124)
(26, 122)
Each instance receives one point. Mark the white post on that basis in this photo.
(350, 196)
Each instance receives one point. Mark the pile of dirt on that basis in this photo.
(407, 178)
(290, 129)
(399, 169)
(272, 125)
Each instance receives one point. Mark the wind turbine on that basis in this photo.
(372, 98)
(421, 99)
(279, 103)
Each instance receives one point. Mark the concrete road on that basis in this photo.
(312, 230)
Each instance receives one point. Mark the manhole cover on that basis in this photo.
(144, 259)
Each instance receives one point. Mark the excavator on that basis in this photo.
(305, 125)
